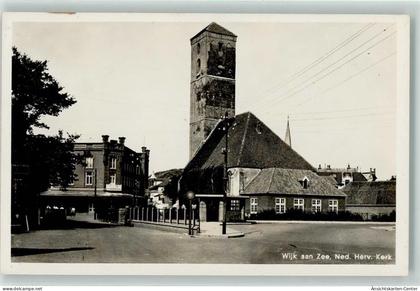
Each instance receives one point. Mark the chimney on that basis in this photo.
(329, 167)
(121, 139)
(105, 138)
(143, 149)
(319, 167)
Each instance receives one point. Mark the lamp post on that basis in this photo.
(225, 174)
(190, 196)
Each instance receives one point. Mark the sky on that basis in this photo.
(335, 81)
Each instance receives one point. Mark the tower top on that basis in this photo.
(288, 137)
(215, 28)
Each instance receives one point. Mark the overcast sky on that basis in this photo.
(336, 81)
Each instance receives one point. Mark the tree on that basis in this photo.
(36, 93)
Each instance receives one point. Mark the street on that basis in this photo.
(302, 243)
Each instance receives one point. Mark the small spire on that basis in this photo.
(288, 137)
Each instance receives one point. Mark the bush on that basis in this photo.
(385, 217)
(295, 214)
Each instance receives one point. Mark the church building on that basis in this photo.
(263, 171)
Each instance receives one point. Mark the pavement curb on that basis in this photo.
(223, 236)
(320, 222)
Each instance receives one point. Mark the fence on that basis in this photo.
(175, 216)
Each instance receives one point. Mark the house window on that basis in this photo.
(333, 206)
(113, 163)
(298, 203)
(316, 205)
(113, 179)
(89, 162)
(254, 205)
(234, 205)
(280, 205)
(89, 178)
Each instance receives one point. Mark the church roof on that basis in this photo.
(251, 144)
(215, 28)
(289, 182)
(373, 193)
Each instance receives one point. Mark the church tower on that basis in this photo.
(213, 54)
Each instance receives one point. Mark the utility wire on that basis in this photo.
(349, 78)
(332, 71)
(322, 58)
(337, 61)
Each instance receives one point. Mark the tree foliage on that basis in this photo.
(36, 93)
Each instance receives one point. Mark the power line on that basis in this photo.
(322, 58)
(337, 61)
(330, 72)
(350, 77)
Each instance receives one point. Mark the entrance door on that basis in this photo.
(212, 210)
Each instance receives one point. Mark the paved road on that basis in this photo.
(263, 243)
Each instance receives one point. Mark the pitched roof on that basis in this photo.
(374, 193)
(251, 144)
(215, 28)
(288, 182)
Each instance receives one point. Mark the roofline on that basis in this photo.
(205, 29)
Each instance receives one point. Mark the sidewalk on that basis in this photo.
(214, 229)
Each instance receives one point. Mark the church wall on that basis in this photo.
(239, 178)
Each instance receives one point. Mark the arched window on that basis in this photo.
(198, 48)
(198, 66)
(305, 183)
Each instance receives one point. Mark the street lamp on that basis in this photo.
(190, 196)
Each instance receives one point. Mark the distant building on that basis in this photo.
(344, 176)
(374, 198)
(163, 188)
(112, 175)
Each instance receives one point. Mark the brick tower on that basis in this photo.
(212, 81)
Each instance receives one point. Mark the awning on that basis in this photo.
(71, 193)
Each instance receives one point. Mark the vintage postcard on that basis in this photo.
(205, 144)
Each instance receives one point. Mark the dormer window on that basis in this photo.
(305, 183)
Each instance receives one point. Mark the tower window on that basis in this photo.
(198, 48)
(198, 66)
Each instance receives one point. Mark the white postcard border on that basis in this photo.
(400, 268)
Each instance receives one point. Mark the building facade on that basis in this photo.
(344, 176)
(111, 176)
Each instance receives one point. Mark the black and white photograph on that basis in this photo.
(198, 144)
